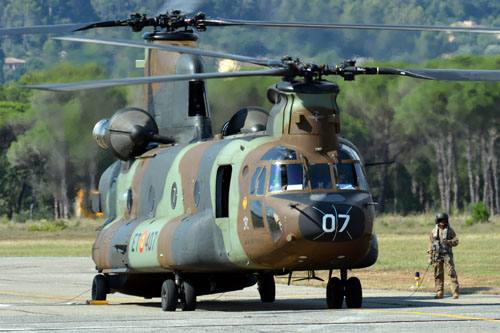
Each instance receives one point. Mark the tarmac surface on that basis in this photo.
(50, 294)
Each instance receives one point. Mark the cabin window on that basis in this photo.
(197, 98)
(173, 195)
(320, 176)
(222, 191)
(280, 153)
(287, 177)
(256, 212)
(196, 193)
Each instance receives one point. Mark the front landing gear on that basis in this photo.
(266, 287)
(353, 293)
(337, 289)
(100, 288)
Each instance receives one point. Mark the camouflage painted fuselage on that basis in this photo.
(210, 207)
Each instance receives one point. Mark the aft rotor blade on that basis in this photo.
(223, 22)
(172, 48)
(73, 86)
(43, 29)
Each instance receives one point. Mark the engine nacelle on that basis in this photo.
(127, 133)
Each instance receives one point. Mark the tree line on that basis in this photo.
(47, 153)
(443, 137)
(324, 46)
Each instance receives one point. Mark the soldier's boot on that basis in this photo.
(439, 294)
(455, 292)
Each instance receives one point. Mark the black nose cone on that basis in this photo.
(328, 222)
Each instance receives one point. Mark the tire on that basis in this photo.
(169, 295)
(353, 293)
(267, 287)
(100, 288)
(335, 293)
(188, 298)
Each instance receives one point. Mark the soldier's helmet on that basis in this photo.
(441, 217)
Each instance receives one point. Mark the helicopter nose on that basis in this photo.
(326, 221)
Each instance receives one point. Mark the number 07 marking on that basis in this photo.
(330, 222)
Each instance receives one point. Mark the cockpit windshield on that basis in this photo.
(280, 153)
(290, 171)
(287, 177)
(320, 175)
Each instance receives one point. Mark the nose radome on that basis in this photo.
(331, 222)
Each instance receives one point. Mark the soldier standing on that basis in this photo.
(441, 241)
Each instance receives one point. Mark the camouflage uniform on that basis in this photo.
(439, 256)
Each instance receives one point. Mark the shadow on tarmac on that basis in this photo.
(304, 304)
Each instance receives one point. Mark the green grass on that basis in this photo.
(48, 238)
(402, 250)
(46, 248)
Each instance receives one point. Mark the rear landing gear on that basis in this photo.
(174, 290)
(169, 295)
(337, 289)
(100, 288)
(188, 296)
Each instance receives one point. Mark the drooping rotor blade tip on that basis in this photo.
(43, 29)
(396, 27)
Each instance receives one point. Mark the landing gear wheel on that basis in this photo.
(335, 293)
(188, 297)
(100, 288)
(267, 287)
(169, 295)
(353, 293)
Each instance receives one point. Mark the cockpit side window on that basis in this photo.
(349, 174)
(254, 179)
(363, 185)
(262, 182)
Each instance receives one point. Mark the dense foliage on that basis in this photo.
(443, 136)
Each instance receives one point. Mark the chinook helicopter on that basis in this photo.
(190, 213)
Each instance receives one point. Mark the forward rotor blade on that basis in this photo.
(443, 74)
(72, 86)
(44, 29)
(456, 74)
(223, 22)
(180, 49)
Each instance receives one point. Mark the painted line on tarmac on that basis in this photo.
(67, 298)
(430, 314)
